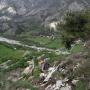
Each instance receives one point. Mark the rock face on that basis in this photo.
(42, 8)
(13, 11)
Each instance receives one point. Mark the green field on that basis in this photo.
(10, 53)
(42, 41)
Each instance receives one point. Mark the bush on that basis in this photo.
(75, 25)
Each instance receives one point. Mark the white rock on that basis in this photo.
(42, 75)
(29, 69)
(75, 82)
(49, 75)
(59, 84)
(67, 87)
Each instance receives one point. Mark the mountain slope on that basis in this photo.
(43, 11)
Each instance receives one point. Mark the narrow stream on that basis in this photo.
(14, 42)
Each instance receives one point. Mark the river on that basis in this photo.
(14, 42)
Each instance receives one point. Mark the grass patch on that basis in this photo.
(25, 84)
(77, 48)
(42, 41)
(81, 85)
(7, 53)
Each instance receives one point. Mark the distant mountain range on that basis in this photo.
(13, 12)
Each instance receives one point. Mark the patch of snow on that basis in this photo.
(11, 10)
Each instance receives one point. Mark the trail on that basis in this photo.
(15, 42)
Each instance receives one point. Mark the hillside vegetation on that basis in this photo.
(24, 68)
